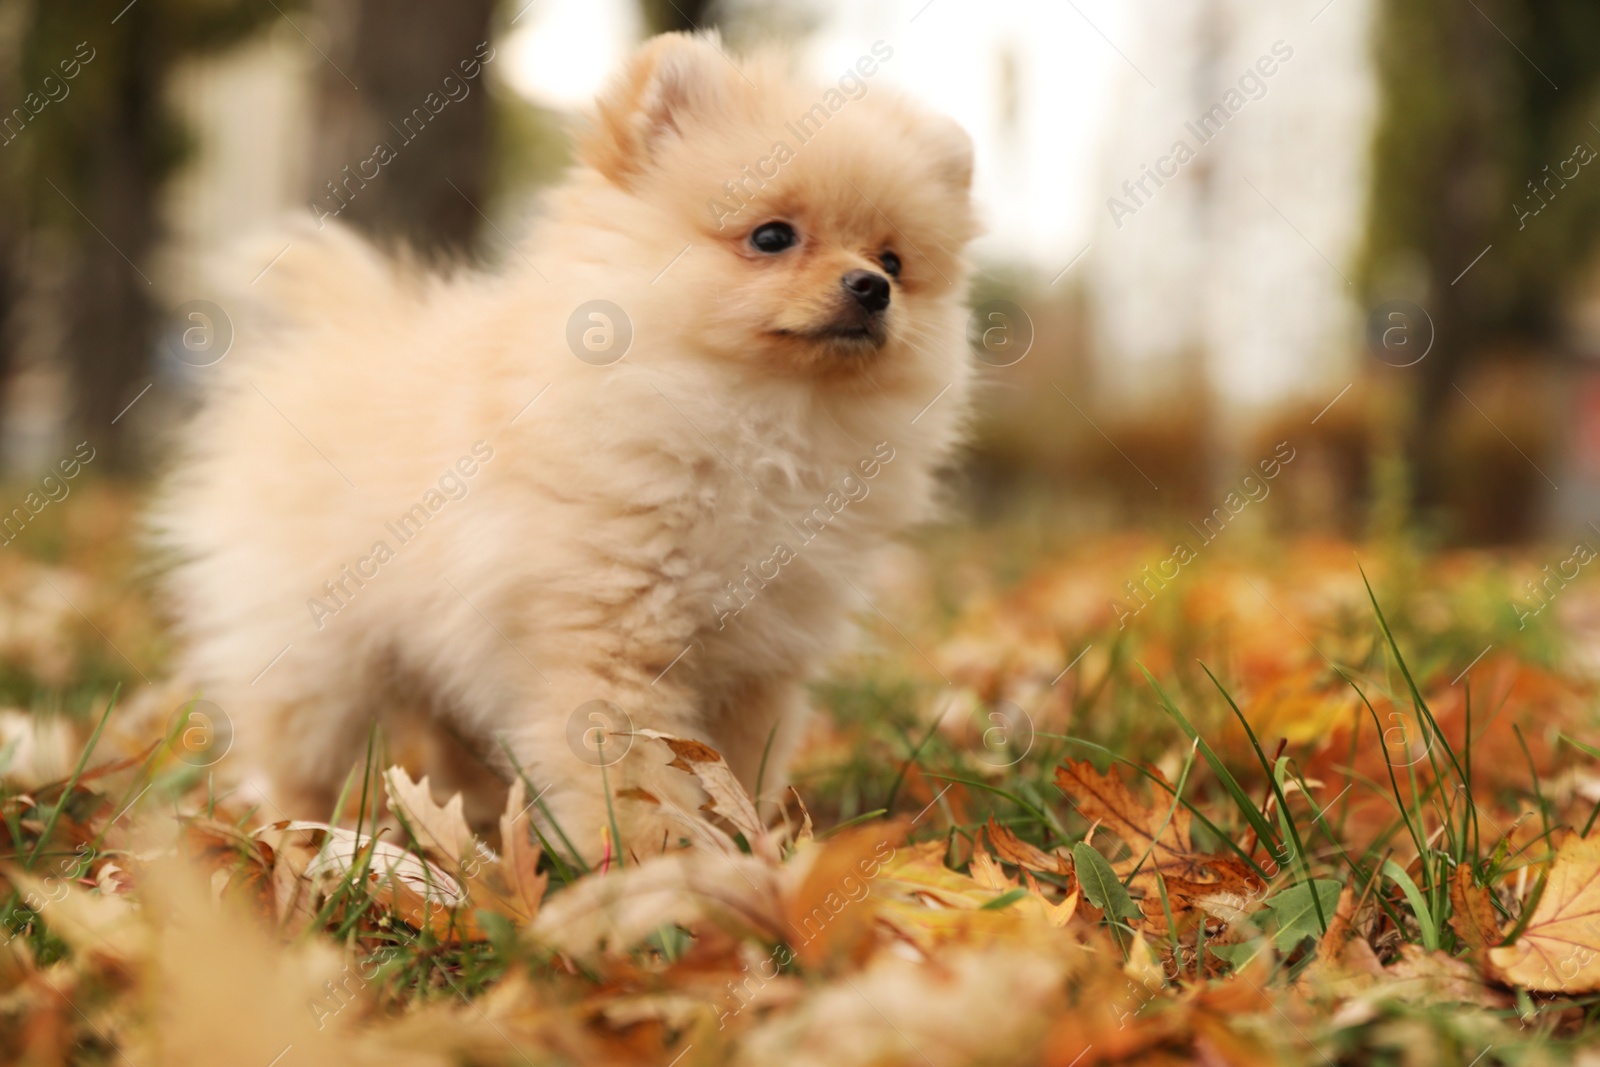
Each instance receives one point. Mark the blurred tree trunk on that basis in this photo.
(88, 166)
(387, 59)
(14, 19)
(668, 16)
(113, 318)
(1470, 117)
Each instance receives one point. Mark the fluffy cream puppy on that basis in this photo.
(538, 516)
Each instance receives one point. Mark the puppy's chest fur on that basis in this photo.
(740, 540)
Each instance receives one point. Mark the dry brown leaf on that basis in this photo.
(611, 915)
(1559, 950)
(422, 892)
(988, 873)
(227, 993)
(728, 797)
(294, 896)
(977, 1004)
(1010, 849)
(510, 884)
(92, 923)
(246, 863)
(806, 832)
(1345, 965)
(1433, 977)
(112, 880)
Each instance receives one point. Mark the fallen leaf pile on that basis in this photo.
(1317, 831)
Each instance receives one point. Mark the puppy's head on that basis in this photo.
(824, 226)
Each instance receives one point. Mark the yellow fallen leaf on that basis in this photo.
(1142, 965)
(1559, 950)
(987, 873)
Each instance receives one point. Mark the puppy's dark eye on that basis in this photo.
(891, 263)
(773, 237)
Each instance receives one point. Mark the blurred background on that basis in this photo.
(1362, 227)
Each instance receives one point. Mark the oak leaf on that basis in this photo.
(509, 884)
(728, 796)
(441, 830)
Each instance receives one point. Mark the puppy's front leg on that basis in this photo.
(587, 767)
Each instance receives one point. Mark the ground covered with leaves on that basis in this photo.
(1303, 803)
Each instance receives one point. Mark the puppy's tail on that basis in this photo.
(310, 278)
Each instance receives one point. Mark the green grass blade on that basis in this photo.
(905, 768)
(72, 783)
(1420, 704)
(1247, 808)
(1274, 777)
(1419, 904)
(1004, 900)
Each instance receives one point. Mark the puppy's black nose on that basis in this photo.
(870, 289)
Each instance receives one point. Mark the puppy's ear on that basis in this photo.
(950, 151)
(673, 80)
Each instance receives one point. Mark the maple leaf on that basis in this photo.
(1559, 950)
(989, 874)
(1161, 829)
(1429, 976)
(1346, 968)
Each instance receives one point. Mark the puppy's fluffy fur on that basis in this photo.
(682, 533)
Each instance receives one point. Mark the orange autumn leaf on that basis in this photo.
(1472, 915)
(826, 920)
(1160, 827)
